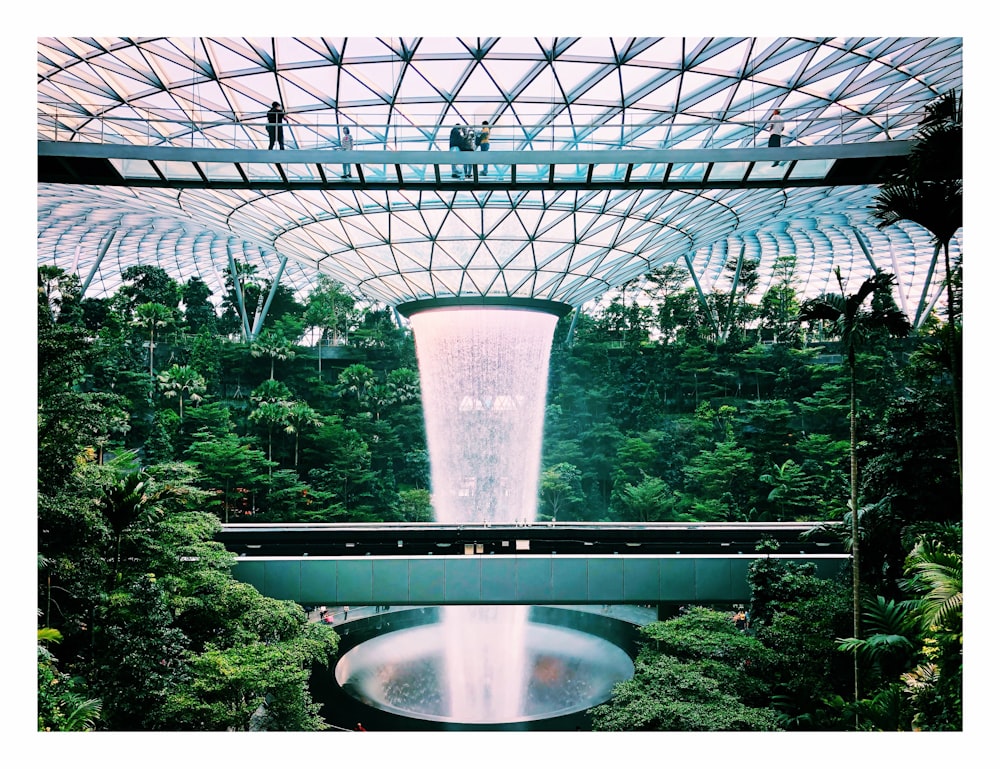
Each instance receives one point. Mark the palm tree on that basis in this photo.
(855, 324)
(151, 316)
(125, 501)
(405, 384)
(929, 193)
(300, 415)
(272, 400)
(356, 378)
(178, 381)
(273, 346)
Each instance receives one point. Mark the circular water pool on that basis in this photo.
(564, 670)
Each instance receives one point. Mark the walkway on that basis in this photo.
(637, 615)
(208, 168)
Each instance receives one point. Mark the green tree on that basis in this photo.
(199, 312)
(63, 705)
(330, 308)
(560, 491)
(272, 401)
(182, 382)
(693, 673)
(719, 481)
(929, 192)
(259, 685)
(229, 467)
(415, 505)
(647, 500)
(138, 655)
(299, 417)
(147, 284)
(126, 501)
(151, 317)
(856, 324)
(799, 616)
(356, 379)
(273, 346)
(779, 306)
(790, 491)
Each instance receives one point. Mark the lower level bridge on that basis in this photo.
(540, 563)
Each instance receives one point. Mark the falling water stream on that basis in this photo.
(483, 375)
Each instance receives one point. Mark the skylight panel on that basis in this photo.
(575, 76)
(414, 86)
(665, 53)
(782, 71)
(728, 62)
(663, 98)
(380, 77)
(444, 76)
(232, 56)
(543, 88)
(515, 46)
(480, 86)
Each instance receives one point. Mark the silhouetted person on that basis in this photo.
(274, 130)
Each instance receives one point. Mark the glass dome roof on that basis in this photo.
(396, 93)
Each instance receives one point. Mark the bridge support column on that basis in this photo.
(665, 611)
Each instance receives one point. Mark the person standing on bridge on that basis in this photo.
(275, 116)
(346, 144)
(776, 128)
(483, 142)
(455, 145)
(468, 145)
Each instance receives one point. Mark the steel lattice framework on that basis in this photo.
(554, 94)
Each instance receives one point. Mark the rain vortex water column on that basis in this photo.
(483, 377)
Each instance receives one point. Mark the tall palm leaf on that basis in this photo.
(936, 573)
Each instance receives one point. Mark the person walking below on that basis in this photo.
(455, 145)
(468, 145)
(346, 145)
(776, 127)
(275, 116)
(483, 142)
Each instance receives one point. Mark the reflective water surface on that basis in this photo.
(403, 672)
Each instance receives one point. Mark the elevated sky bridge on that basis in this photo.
(539, 563)
(507, 170)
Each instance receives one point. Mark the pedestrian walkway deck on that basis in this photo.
(662, 169)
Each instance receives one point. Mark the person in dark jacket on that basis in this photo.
(468, 145)
(455, 145)
(274, 132)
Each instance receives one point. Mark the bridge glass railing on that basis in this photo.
(318, 130)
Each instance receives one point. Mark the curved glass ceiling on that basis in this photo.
(537, 93)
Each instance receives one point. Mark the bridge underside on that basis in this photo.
(517, 579)
(204, 168)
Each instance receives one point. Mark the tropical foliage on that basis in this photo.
(162, 414)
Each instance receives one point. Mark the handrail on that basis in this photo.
(321, 131)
